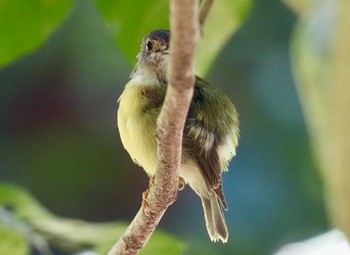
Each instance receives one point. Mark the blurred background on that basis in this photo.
(59, 140)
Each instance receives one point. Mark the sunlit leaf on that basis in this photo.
(26, 24)
(300, 6)
(12, 241)
(130, 21)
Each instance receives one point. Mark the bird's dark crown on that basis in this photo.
(157, 40)
(161, 34)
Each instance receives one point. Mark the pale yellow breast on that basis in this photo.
(137, 130)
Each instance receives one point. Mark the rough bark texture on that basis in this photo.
(184, 36)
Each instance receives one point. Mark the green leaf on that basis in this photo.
(12, 241)
(26, 24)
(224, 19)
(21, 203)
(130, 21)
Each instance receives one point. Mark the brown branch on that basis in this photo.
(184, 36)
(204, 11)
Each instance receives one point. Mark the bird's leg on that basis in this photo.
(145, 193)
(182, 183)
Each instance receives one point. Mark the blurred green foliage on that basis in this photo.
(26, 25)
(28, 222)
(320, 50)
(58, 136)
(12, 241)
(130, 21)
(224, 19)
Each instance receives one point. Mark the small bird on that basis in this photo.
(210, 134)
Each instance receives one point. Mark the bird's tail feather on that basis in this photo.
(214, 218)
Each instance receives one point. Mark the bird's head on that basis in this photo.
(153, 57)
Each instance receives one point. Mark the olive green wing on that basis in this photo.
(211, 133)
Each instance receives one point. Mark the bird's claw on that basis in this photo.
(145, 193)
(182, 183)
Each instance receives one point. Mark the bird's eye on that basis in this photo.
(149, 46)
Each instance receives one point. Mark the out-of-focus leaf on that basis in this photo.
(21, 203)
(12, 241)
(162, 243)
(70, 234)
(320, 53)
(300, 6)
(26, 24)
(130, 21)
(311, 54)
(224, 19)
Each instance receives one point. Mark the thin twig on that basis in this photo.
(184, 36)
(204, 11)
